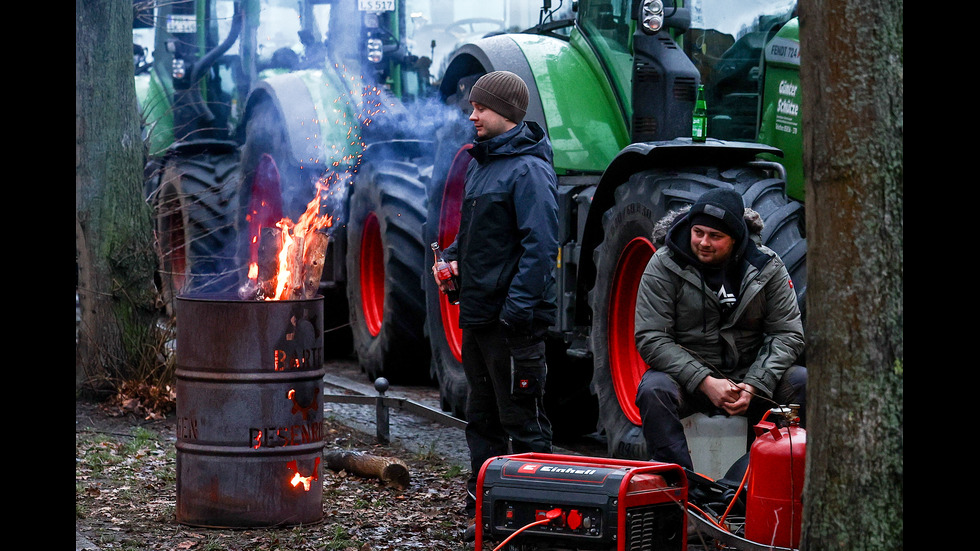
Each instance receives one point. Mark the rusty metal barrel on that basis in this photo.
(249, 412)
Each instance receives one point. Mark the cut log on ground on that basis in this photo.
(390, 470)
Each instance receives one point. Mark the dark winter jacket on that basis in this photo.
(682, 329)
(507, 243)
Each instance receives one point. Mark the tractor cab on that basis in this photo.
(196, 62)
(725, 43)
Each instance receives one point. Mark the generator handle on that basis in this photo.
(647, 466)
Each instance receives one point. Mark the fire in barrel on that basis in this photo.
(249, 383)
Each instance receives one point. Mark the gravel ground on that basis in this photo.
(413, 432)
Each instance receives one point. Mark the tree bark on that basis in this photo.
(113, 240)
(851, 73)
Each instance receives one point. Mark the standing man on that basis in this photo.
(505, 256)
(718, 324)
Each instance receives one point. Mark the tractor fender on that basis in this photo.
(640, 156)
(291, 97)
(495, 53)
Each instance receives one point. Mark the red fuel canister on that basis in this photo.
(774, 505)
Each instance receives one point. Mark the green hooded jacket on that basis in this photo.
(681, 331)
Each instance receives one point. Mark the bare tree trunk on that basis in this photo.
(852, 64)
(113, 240)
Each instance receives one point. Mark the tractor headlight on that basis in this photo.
(374, 53)
(178, 68)
(652, 16)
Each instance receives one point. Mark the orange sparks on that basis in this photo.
(265, 208)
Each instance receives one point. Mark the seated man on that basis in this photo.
(718, 323)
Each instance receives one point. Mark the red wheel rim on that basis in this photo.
(449, 213)
(372, 275)
(626, 366)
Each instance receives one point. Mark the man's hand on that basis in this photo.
(435, 275)
(721, 392)
(740, 406)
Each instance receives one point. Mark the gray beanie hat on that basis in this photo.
(502, 91)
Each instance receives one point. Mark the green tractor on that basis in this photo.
(614, 87)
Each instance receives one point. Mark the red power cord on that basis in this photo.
(549, 516)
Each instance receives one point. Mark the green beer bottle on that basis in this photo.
(699, 123)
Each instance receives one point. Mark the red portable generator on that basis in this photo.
(569, 502)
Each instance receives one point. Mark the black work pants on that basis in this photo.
(663, 403)
(504, 407)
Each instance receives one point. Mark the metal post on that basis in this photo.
(384, 436)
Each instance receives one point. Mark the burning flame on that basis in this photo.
(305, 480)
(298, 479)
(284, 273)
(297, 242)
(295, 239)
(293, 246)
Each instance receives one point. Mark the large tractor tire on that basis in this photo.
(642, 201)
(445, 336)
(451, 158)
(385, 264)
(194, 218)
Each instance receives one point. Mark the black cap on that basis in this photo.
(720, 209)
